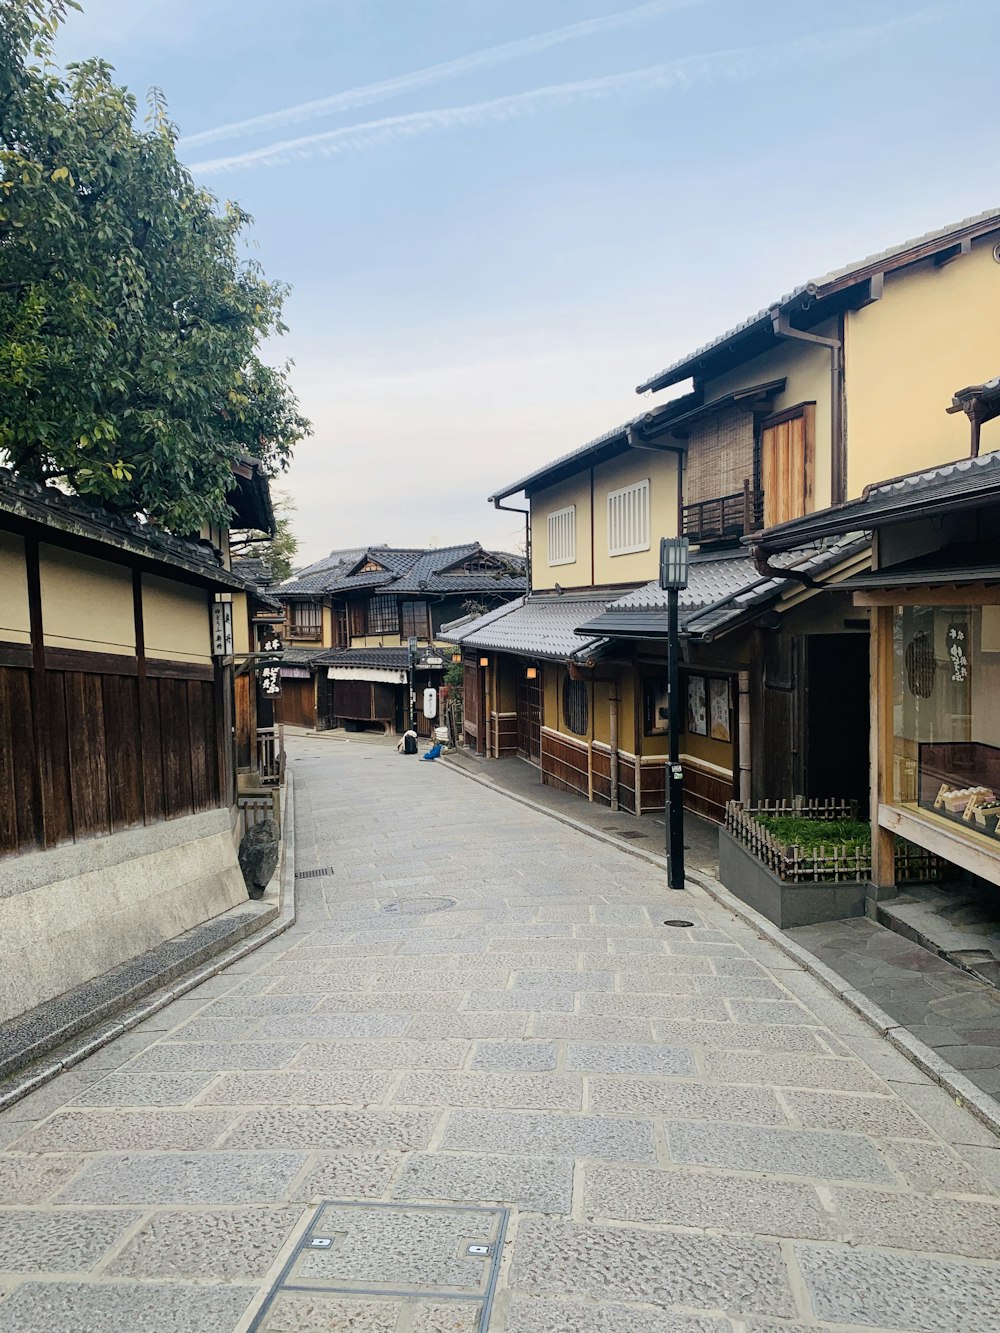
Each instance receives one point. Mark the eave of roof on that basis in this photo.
(541, 627)
(755, 332)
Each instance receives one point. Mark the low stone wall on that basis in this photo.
(71, 913)
(784, 903)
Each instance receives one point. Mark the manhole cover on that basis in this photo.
(678, 923)
(417, 906)
(314, 874)
(636, 834)
(399, 1257)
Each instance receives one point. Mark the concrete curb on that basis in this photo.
(962, 1089)
(89, 1042)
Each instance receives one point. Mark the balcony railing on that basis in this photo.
(304, 631)
(723, 516)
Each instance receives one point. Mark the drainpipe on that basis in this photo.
(762, 564)
(509, 509)
(613, 702)
(743, 719)
(783, 329)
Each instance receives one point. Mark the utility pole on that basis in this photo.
(412, 661)
(674, 577)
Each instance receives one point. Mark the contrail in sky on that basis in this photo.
(368, 93)
(730, 65)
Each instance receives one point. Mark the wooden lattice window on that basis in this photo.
(382, 615)
(561, 533)
(415, 620)
(576, 710)
(919, 657)
(628, 518)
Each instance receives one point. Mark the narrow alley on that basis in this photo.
(495, 1076)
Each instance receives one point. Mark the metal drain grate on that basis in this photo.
(314, 874)
(418, 906)
(398, 1257)
(636, 834)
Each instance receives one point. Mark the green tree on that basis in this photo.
(277, 551)
(130, 316)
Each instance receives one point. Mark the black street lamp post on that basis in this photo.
(411, 683)
(674, 577)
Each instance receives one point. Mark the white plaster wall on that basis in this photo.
(68, 914)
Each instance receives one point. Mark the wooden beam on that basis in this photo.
(970, 850)
(41, 775)
(952, 594)
(881, 746)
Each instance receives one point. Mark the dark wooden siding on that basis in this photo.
(565, 763)
(296, 703)
(100, 751)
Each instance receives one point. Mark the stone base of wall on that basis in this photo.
(785, 904)
(72, 913)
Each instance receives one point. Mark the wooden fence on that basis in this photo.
(255, 807)
(835, 862)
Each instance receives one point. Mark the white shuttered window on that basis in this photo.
(562, 536)
(628, 519)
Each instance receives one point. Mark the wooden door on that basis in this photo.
(529, 720)
(786, 465)
(296, 705)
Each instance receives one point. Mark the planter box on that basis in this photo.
(784, 903)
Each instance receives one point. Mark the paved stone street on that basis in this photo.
(482, 1009)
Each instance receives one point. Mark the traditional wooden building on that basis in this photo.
(117, 771)
(350, 617)
(795, 409)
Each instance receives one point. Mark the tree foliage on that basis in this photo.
(279, 551)
(130, 317)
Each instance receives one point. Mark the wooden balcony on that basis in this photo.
(724, 516)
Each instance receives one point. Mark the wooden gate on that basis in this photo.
(529, 720)
(296, 703)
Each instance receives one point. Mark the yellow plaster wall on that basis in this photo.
(807, 371)
(576, 490)
(15, 620)
(327, 627)
(377, 641)
(707, 749)
(636, 465)
(935, 330)
(175, 620)
(86, 603)
(508, 672)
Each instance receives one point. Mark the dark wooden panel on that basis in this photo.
(20, 818)
(564, 765)
(506, 735)
(60, 813)
(243, 698)
(653, 786)
(384, 702)
(296, 706)
(88, 769)
(179, 670)
(626, 784)
(152, 752)
(202, 758)
(121, 730)
(103, 664)
(601, 765)
(175, 733)
(15, 655)
(706, 793)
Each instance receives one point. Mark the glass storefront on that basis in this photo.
(946, 715)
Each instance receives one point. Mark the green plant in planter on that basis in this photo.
(811, 834)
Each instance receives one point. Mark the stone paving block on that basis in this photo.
(392, 1002)
(534, 1184)
(263, 1006)
(550, 1135)
(935, 1168)
(113, 1131)
(34, 1179)
(313, 1027)
(881, 1117)
(738, 988)
(772, 1011)
(685, 1101)
(790, 1152)
(212, 1028)
(591, 1027)
(163, 1178)
(478, 1026)
(739, 1036)
(635, 1004)
(217, 1055)
(909, 1222)
(391, 1053)
(791, 1071)
(952, 1122)
(226, 1243)
(283, 1127)
(121, 1307)
(347, 1175)
(900, 1291)
(629, 1058)
(624, 1263)
(69, 1240)
(525, 1055)
(524, 1000)
(297, 1087)
(541, 1092)
(700, 1199)
(143, 1090)
(554, 979)
(650, 970)
(986, 1161)
(535, 1314)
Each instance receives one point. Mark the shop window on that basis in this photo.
(415, 620)
(561, 531)
(382, 615)
(628, 519)
(576, 711)
(946, 714)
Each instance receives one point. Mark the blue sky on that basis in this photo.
(601, 187)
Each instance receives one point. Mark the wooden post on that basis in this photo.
(613, 737)
(743, 723)
(883, 842)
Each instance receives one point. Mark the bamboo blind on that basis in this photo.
(719, 456)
